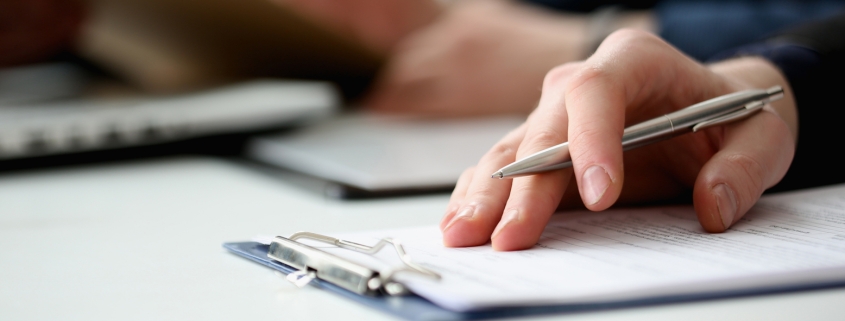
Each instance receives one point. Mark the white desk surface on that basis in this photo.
(141, 241)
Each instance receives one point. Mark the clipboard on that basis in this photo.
(409, 306)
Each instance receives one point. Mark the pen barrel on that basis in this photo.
(651, 131)
(648, 132)
(682, 121)
(552, 158)
(688, 117)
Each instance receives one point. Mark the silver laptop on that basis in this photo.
(379, 153)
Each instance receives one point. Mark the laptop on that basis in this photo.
(375, 155)
(41, 113)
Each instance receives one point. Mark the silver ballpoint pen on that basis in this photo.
(716, 111)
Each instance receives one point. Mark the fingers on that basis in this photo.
(632, 75)
(754, 155)
(528, 202)
(411, 82)
(472, 216)
(596, 108)
(458, 65)
(533, 199)
(378, 24)
(436, 71)
(628, 66)
(458, 195)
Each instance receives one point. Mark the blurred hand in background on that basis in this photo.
(378, 24)
(470, 58)
(479, 57)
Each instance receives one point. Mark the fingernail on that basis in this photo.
(726, 203)
(463, 214)
(509, 217)
(596, 181)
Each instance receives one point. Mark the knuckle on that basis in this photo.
(585, 78)
(467, 173)
(593, 72)
(557, 76)
(581, 142)
(543, 139)
(626, 36)
(500, 151)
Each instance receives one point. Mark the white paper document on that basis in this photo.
(786, 240)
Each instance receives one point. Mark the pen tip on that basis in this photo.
(498, 175)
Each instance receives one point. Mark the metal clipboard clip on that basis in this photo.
(312, 263)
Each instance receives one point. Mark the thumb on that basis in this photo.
(753, 155)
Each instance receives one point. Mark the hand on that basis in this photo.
(632, 77)
(378, 24)
(480, 57)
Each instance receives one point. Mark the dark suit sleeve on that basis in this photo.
(702, 28)
(812, 57)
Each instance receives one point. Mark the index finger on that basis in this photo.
(633, 73)
(533, 199)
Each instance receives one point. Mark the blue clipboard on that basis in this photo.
(414, 307)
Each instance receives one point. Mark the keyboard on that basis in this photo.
(73, 125)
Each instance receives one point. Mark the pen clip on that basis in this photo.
(748, 110)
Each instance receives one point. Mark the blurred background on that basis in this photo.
(91, 80)
(163, 46)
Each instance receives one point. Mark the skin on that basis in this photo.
(483, 57)
(473, 57)
(480, 57)
(377, 24)
(632, 77)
